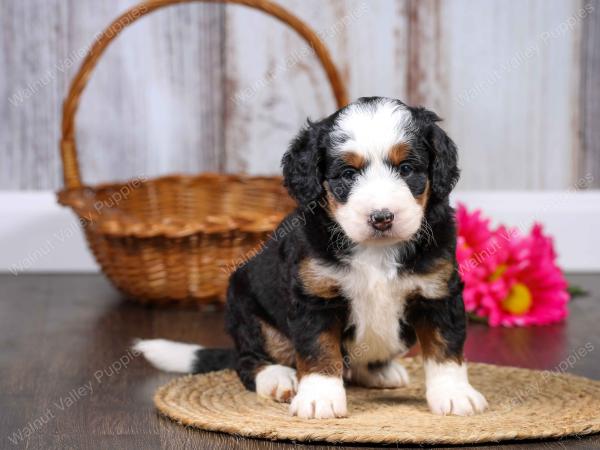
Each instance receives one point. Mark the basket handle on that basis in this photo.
(71, 173)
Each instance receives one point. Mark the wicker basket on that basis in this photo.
(176, 238)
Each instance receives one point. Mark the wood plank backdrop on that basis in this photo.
(200, 87)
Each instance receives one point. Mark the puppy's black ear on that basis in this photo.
(444, 171)
(302, 174)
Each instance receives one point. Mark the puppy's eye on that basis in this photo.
(405, 169)
(349, 174)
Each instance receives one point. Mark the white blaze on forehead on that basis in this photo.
(379, 187)
(371, 129)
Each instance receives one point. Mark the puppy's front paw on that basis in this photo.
(460, 399)
(276, 382)
(319, 397)
(449, 390)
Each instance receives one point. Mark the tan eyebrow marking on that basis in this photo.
(398, 153)
(354, 159)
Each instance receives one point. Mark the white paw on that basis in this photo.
(276, 382)
(319, 397)
(460, 399)
(449, 390)
(392, 375)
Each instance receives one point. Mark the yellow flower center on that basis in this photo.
(518, 301)
(498, 272)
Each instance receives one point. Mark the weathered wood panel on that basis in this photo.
(505, 77)
(589, 160)
(32, 40)
(274, 82)
(152, 106)
(206, 87)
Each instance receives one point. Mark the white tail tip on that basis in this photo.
(169, 356)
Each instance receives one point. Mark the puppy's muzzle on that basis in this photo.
(381, 219)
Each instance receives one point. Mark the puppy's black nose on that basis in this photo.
(381, 219)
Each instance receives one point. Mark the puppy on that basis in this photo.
(351, 279)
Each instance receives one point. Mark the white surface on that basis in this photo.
(38, 235)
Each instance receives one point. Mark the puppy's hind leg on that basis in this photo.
(277, 382)
(386, 375)
(258, 371)
(256, 367)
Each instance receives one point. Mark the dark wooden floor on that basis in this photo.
(67, 379)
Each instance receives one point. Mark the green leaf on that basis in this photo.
(475, 318)
(577, 291)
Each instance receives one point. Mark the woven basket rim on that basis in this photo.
(175, 176)
(82, 200)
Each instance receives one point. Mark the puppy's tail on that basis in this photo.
(174, 356)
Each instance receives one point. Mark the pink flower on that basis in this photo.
(474, 236)
(510, 279)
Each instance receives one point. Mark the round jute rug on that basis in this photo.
(524, 404)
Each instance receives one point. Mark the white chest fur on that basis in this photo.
(378, 293)
(377, 300)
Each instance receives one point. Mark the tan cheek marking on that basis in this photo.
(329, 359)
(424, 197)
(434, 346)
(277, 345)
(398, 153)
(317, 283)
(332, 204)
(354, 159)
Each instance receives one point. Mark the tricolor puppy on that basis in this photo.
(368, 269)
